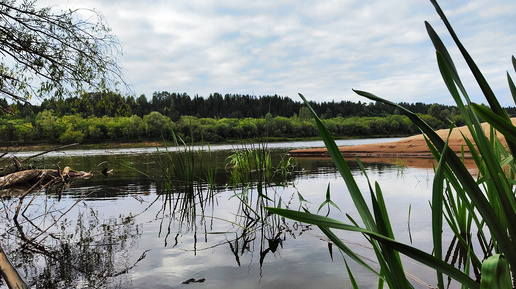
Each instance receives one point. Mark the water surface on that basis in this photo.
(125, 230)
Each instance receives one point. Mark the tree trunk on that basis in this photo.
(34, 176)
(9, 273)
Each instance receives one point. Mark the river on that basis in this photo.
(128, 230)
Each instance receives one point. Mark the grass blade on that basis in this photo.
(410, 251)
(338, 242)
(467, 181)
(437, 211)
(482, 82)
(344, 170)
(502, 125)
(351, 277)
(512, 87)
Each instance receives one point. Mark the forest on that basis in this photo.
(109, 116)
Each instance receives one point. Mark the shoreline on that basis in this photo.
(150, 143)
(411, 151)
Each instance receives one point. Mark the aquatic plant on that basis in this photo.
(187, 188)
(255, 164)
(484, 206)
(253, 175)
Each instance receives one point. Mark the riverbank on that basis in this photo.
(124, 144)
(410, 147)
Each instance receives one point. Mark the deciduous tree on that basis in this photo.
(46, 52)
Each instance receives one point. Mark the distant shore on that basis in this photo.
(148, 143)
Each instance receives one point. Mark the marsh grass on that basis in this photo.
(187, 189)
(400, 167)
(255, 178)
(254, 164)
(480, 210)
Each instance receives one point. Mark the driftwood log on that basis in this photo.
(17, 165)
(30, 177)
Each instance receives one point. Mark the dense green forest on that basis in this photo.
(175, 105)
(108, 116)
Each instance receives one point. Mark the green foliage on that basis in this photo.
(17, 130)
(110, 116)
(304, 113)
(132, 127)
(49, 53)
(496, 273)
(46, 124)
(175, 105)
(49, 127)
(71, 136)
(155, 125)
(253, 168)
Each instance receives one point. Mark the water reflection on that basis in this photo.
(188, 200)
(127, 230)
(53, 251)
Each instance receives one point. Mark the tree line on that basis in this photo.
(50, 128)
(175, 105)
(98, 117)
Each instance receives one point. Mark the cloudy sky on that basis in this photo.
(321, 49)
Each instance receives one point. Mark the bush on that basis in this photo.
(71, 136)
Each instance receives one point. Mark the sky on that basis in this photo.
(322, 49)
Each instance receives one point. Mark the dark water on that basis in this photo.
(125, 230)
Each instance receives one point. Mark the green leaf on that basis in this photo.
(301, 199)
(351, 277)
(495, 273)
(453, 74)
(463, 175)
(342, 246)
(486, 89)
(482, 82)
(437, 211)
(501, 124)
(392, 259)
(344, 170)
(328, 201)
(512, 87)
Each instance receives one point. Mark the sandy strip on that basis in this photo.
(411, 149)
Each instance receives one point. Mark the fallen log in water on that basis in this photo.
(44, 176)
(17, 165)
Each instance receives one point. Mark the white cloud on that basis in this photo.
(319, 48)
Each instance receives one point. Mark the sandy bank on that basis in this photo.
(410, 148)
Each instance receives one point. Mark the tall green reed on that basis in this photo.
(255, 176)
(187, 188)
(253, 166)
(483, 205)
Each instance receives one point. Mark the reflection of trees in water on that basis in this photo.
(86, 252)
